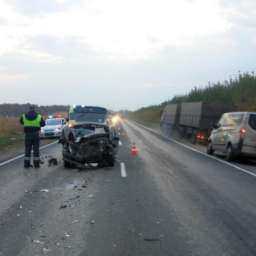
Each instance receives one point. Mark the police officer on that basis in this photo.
(32, 122)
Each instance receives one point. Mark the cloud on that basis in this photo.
(41, 7)
(10, 77)
(3, 22)
(128, 30)
(119, 53)
(240, 13)
(38, 56)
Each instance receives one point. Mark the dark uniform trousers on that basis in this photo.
(32, 141)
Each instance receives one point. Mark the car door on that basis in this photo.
(217, 133)
(250, 133)
(228, 127)
(230, 130)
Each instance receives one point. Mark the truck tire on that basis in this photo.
(66, 164)
(108, 161)
(111, 161)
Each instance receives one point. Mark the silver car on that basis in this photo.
(234, 135)
(53, 128)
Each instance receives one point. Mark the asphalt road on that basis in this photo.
(168, 200)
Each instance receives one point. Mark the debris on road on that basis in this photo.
(37, 242)
(63, 206)
(44, 190)
(90, 196)
(66, 234)
(152, 239)
(52, 161)
(75, 221)
(92, 222)
(74, 198)
(46, 250)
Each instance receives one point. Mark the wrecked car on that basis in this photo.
(89, 138)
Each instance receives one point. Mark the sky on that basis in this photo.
(121, 54)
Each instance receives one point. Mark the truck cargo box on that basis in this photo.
(201, 115)
(169, 119)
(169, 115)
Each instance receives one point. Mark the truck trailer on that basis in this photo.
(192, 120)
(196, 119)
(169, 118)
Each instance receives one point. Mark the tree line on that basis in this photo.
(16, 110)
(239, 92)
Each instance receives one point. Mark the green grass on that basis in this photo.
(7, 141)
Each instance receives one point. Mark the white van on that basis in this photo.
(234, 135)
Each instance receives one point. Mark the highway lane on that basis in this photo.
(167, 201)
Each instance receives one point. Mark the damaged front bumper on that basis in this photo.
(91, 148)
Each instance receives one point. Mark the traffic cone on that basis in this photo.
(134, 150)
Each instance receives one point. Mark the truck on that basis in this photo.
(89, 137)
(197, 119)
(169, 118)
(192, 120)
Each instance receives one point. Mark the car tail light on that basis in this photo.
(242, 132)
(200, 136)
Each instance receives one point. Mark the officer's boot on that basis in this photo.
(37, 164)
(26, 164)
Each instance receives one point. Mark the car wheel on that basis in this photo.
(111, 161)
(101, 164)
(230, 153)
(66, 164)
(210, 149)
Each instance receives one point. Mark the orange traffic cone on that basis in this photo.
(134, 150)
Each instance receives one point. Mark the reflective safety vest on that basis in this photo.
(32, 123)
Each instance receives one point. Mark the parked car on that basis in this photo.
(53, 128)
(234, 135)
(89, 138)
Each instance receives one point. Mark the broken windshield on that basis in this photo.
(88, 117)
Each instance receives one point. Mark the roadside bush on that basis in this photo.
(9, 126)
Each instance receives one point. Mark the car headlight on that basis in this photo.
(115, 120)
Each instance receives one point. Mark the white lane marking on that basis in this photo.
(199, 152)
(22, 155)
(120, 143)
(123, 170)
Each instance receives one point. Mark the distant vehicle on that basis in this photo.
(53, 128)
(89, 138)
(234, 135)
(170, 118)
(116, 121)
(193, 120)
